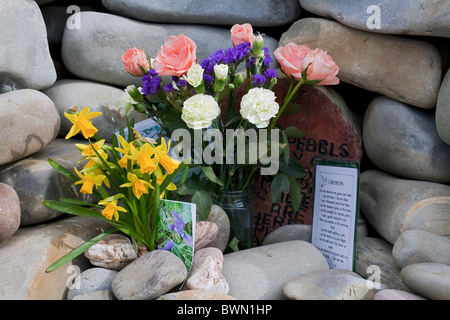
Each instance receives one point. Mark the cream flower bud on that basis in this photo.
(194, 75)
(221, 71)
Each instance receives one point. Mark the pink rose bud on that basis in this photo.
(133, 59)
(291, 59)
(241, 33)
(175, 56)
(321, 67)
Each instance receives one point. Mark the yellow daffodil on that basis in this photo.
(88, 180)
(145, 157)
(160, 179)
(138, 186)
(167, 162)
(111, 207)
(88, 151)
(80, 121)
(124, 150)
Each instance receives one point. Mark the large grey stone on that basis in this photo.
(149, 276)
(225, 12)
(99, 97)
(417, 246)
(431, 280)
(35, 180)
(25, 61)
(443, 109)
(386, 64)
(91, 280)
(261, 272)
(29, 121)
(393, 205)
(415, 17)
(26, 255)
(403, 140)
(336, 284)
(93, 52)
(9, 211)
(375, 262)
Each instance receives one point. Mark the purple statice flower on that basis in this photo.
(208, 78)
(168, 87)
(250, 63)
(259, 79)
(178, 224)
(267, 58)
(182, 83)
(242, 50)
(146, 83)
(229, 56)
(216, 57)
(154, 84)
(152, 72)
(270, 73)
(150, 82)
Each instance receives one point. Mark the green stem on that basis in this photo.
(288, 99)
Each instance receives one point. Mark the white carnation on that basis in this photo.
(194, 75)
(199, 111)
(258, 106)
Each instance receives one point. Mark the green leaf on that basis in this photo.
(62, 170)
(77, 251)
(72, 209)
(189, 187)
(234, 244)
(293, 169)
(294, 132)
(279, 184)
(203, 202)
(295, 193)
(79, 202)
(209, 172)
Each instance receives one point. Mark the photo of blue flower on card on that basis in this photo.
(176, 229)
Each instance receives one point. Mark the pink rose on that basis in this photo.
(242, 33)
(321, 67)
(176, 56)
(291, 59)
(133, 59)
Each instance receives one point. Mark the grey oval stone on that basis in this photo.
(93, 52)
(227, 12)
(91, 280)
(9, 211)
(149, 276)
(414, 17)
(431, 280)
(443, 109)
(403, 140)
(418, 246)
(260, 273)
(389, 64)
(393, 205)
(336, 284)
(29, 121)
(69, 93)
(25, 61)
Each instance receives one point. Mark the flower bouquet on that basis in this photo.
(213, 108)
(130, 178)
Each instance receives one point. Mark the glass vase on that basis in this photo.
(239, 206)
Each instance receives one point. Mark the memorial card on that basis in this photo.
(335, 213)
(176, 229)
